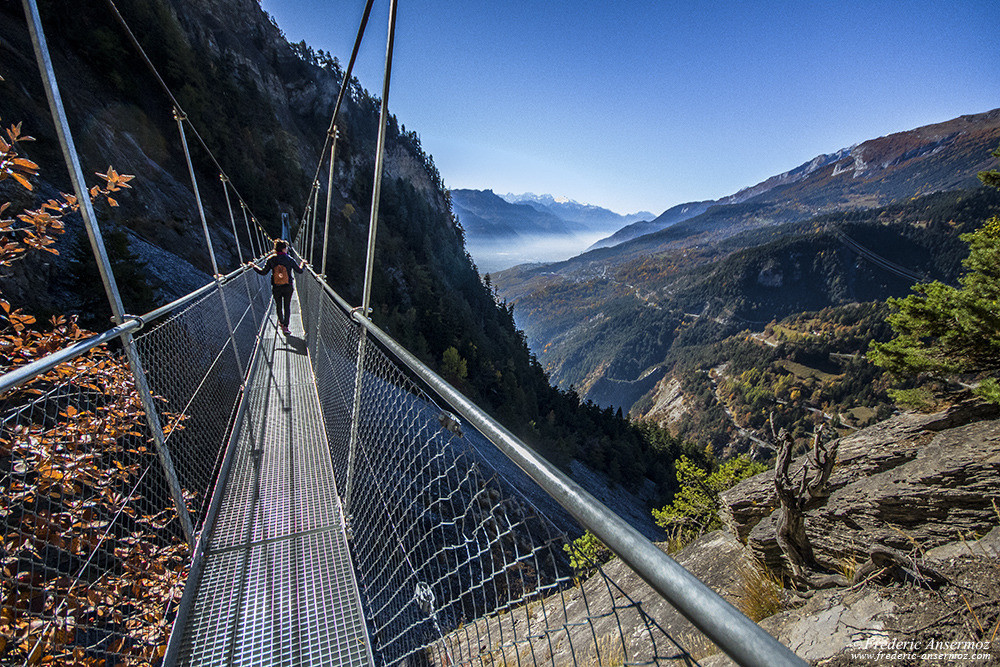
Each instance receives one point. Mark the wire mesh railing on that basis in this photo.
(198, 370)
(93, 555)
(456, 562)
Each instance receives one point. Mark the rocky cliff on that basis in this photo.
(927, 485)
(259, 104)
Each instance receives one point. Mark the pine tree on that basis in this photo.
(991, 177)
(942, 330)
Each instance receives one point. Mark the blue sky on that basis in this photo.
(641, 105)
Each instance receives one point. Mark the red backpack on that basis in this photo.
(280, 275)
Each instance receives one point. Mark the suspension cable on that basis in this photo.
(343, 88)
(877, 259)
(173, 100)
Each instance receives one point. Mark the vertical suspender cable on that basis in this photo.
(329, 192)
(229, 207)
(370, 264)
(103, 264)
(180, 118)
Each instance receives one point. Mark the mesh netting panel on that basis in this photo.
(455, 560)
(333, 343)
(93, 557)
(192, 366)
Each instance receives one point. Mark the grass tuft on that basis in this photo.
(758, 590)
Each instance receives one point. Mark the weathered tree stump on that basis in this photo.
(794, 497)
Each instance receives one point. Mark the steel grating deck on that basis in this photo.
(277, 586)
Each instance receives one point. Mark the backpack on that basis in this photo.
(280, 275)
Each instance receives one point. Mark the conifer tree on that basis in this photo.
(943, 330)
(991, 177)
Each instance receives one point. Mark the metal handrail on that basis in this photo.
(742, 640)
(18, 376)
(22, 374)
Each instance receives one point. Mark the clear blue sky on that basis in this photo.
(641, 105)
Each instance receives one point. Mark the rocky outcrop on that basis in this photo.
(826, 625)
(573, 625)
(668, 403)
(849, 627)
(914, 481)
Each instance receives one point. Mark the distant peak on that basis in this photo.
(538, 199)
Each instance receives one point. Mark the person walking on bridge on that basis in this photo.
(281, 266)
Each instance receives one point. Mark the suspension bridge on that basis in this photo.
(208, 491)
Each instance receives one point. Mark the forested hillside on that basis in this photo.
(625, 333)
(277, 98)
(779, 247)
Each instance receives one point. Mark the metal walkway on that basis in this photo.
(277, 586)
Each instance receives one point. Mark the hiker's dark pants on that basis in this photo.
(283, 302)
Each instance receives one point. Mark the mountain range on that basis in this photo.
(592, 217)
(486, 216)
(609, 317)
(504, 230)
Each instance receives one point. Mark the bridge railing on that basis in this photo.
(93, 552)
(461, 533)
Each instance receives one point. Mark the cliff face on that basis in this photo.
(260, 105)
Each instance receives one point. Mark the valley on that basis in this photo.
(621, 322)
(502, 231)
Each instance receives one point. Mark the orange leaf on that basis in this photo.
(22, 180)
(24, 163)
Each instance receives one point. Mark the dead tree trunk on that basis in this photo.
(793, 498)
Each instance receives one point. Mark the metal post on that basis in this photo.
(329, 193)
(246, 221)
(315, 209)
(236, 236)
(379, 160)
(180, 118)
(317, 306)
(229, 207)
(103, 264)
(355, 418)
(305, 224)
(370, 264)
(262, 238)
